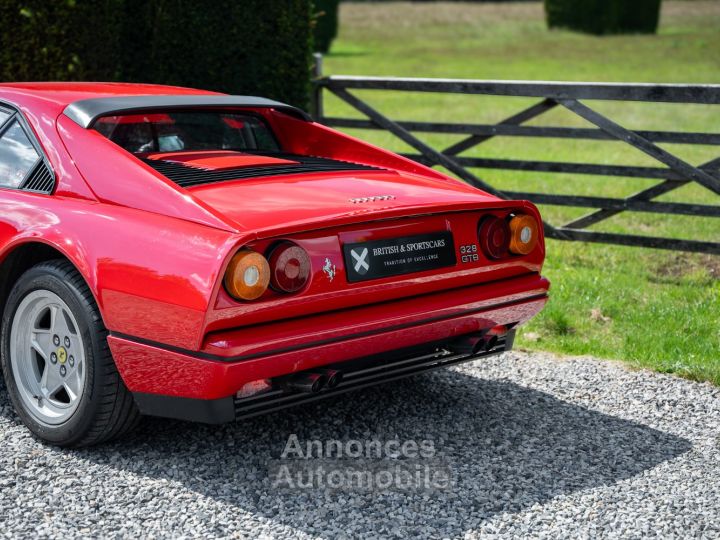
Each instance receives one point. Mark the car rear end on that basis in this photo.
(297, 317)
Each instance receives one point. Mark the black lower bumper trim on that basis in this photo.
(206, 411)
(366, 372)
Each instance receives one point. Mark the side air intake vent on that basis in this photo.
(41, 179)
(187, 176)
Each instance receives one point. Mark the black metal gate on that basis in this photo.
(675, 173)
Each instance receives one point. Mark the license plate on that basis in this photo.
(396, 256)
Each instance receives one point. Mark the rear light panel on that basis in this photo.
(503, 236)
(312, 262)
(251, 276)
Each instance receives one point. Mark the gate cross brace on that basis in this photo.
(429, 153)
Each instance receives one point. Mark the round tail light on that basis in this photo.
(289, 267)
(494, 237)
(247, 276)
(524, 234)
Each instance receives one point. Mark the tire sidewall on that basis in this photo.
(47, 277)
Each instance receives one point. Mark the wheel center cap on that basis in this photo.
(61, 354)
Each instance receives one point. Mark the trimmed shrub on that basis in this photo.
(604, 16)
(326, 23)
(428, 1)
(260, 47)
(60, 40)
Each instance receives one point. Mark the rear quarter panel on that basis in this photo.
(152, 276)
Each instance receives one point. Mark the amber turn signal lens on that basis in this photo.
(524, 234)
(247, 276)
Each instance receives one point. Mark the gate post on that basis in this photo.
(316, 105)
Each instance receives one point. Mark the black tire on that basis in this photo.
(106, 409)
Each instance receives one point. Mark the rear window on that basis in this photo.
(17, 156)
(188, 130)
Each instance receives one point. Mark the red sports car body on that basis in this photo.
(234, 256)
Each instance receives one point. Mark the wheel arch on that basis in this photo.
(22, 256)
(105, 409)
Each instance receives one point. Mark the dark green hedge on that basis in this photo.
(604, 16)
(326, 23)
(258, 47)
(59, 40)
(427, 1)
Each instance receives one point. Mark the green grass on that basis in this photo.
(651, 308)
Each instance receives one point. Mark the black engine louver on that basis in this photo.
(187, 176)
(41, 179)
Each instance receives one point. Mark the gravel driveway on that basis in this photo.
(537, 445)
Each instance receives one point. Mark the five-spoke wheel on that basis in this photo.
(47, 356)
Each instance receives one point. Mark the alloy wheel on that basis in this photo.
(47, 357)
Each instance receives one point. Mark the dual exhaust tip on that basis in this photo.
(476, 343)
(311, 382)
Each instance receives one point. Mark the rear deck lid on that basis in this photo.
(261, 191)
(294, 202)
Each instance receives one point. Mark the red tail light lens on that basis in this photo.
(494, 237)
(289, 267)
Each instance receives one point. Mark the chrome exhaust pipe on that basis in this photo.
(310, 383)
(333, 377)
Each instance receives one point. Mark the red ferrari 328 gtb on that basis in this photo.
(194, 255)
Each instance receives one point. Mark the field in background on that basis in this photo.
(652, 308)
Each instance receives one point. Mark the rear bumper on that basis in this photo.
(232, 358)
(357, 374)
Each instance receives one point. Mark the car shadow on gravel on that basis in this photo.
(509, 448)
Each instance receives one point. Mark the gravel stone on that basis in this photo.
(539, 446)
